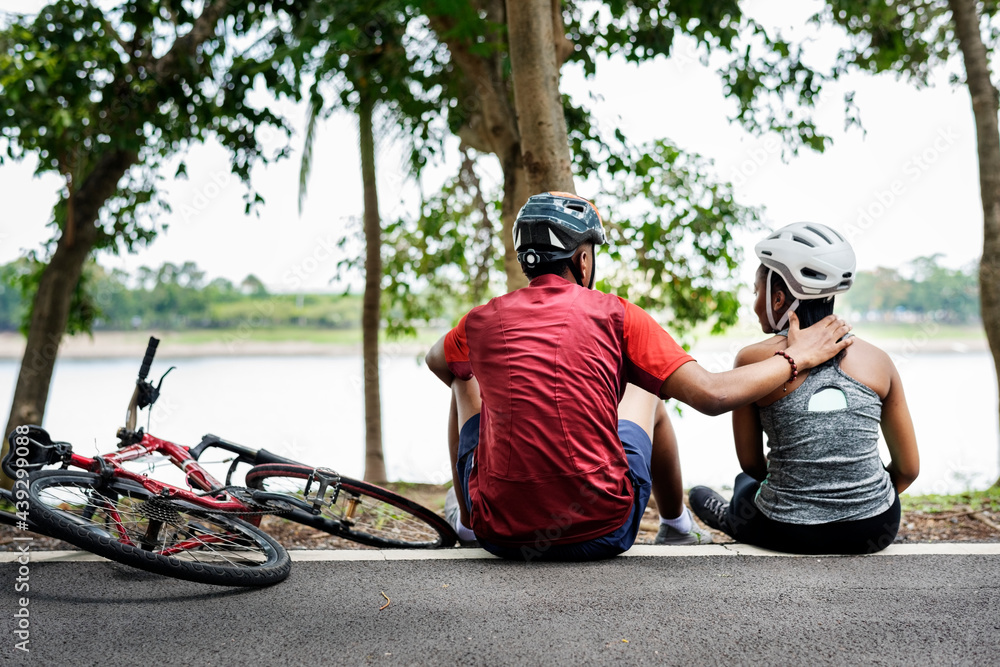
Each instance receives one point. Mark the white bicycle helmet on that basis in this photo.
(814, 260)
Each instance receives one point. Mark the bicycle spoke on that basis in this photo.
(363, 514)
(127, 520)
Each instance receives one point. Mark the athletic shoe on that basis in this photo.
(710, 507)
(670, 535)
(453, 515)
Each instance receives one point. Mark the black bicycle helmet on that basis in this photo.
(552, 225)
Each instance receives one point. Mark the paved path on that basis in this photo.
(914, 605)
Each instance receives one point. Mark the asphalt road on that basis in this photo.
(724, 610)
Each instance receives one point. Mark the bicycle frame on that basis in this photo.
(322, 488)
(198, 477)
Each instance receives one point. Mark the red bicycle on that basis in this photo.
(209, 532)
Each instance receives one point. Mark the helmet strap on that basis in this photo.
(784, 318)
(780, 324)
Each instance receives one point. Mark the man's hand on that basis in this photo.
(715, 393)
(813, 345)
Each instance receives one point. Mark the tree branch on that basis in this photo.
(564, 47)
(498, 128)
(202, 30)
(110, 29)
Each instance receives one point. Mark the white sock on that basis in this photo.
(464, 534)
(682, 524)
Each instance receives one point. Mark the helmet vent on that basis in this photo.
(812, 273)
(576, 207)
(819, 234)
(813, 259)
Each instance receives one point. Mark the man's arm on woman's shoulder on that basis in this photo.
(715, 393)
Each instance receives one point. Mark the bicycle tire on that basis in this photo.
(363, 512)
(122, 521)
(10, 517)
(7, 516)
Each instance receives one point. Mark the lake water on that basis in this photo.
(310, 408)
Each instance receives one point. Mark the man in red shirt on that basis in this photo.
(557, 388)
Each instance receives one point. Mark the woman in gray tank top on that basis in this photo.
(822, 487)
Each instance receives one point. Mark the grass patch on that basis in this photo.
(873, 331)
(973, 501)
(267, 335)
(340, 337)
(932, 331)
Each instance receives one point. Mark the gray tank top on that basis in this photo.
(823, 463)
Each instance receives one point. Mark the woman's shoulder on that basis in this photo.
(869, 365)
(869, 352)
(760, 351)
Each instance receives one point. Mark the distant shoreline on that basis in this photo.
(129, 345)
(119, 345)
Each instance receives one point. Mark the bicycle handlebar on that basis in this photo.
(148, 359)
(144, 395)
(243, 453)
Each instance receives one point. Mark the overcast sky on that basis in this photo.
(907, 188)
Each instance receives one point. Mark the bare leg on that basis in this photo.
(465, 404)
(649, 412)
(668, 488)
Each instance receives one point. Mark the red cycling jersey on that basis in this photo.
(552, 361)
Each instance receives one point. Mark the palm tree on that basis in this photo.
(366, 66)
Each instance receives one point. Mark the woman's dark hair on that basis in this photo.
(810, 311)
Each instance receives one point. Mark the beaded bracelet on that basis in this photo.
(795, 369)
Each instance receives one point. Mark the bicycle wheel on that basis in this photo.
(124, 522)
(360, 511)
(7, 515)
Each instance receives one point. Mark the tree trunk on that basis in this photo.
(535, 54)
(515, 193)
(984, 109)
(51, 304)
(371, 315)
(492, 126)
